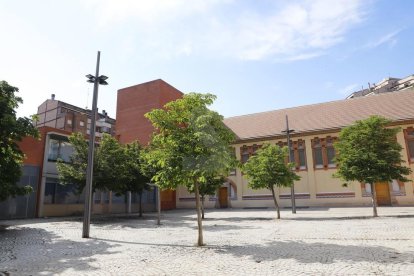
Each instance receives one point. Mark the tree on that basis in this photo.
(208, 187)
(368, 152)
(108, 164)
(116, 167)
(190, 145)
(133, 179)
(12, 130)
(268, 168)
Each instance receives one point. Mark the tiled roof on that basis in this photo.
(397, 106)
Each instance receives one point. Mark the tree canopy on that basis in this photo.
(268, 168)
(109, 164)
(12, 130)
(368, 152)
(116, 167)
(191, 144)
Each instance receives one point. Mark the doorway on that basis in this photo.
(223, 197)
(383, 193)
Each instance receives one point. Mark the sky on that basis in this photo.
(255, 55)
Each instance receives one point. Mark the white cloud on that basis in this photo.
(287, 31)
(389, 38)
(149, 12)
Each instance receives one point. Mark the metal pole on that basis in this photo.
(89, 172)
(292, 187)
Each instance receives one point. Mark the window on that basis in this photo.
(56, 193)
(330, 152)
(301, 155)
(244, 151)
(323, 152)
(69, 121)
(297, 153)
(81, 123)
(409, 140)
(317, 154)
(59, 149)
(247, 151)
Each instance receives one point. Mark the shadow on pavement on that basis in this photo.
(144, 243)
(317, 252)
(34, 251)
(345, 217)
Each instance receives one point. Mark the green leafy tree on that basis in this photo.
(268, 168)
(108, 164)
(190, 145)
(208, 187)
(368, 152)
(133, 179)
(116, 167)
(12, 130)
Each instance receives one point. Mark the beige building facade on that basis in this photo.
(316, 129)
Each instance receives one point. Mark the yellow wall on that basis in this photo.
(323, 189)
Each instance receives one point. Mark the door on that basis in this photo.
(223, 197)
(168, 201)
(383, 193)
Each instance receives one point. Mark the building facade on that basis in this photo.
(49, 197)
(131, 125)
(385, 86)
(64, 116)
(316, 129)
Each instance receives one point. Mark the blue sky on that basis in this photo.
(254, 55)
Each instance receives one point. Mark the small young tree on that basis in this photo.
(208, 187)
(368, 152)
(191, 144)
(12, 130)
(268, 168)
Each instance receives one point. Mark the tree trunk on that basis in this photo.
(140, 205)
(275, 200)
(374, 200)
(159, 206)
(199, 222)
(202, 207)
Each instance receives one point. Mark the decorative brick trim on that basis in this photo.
(335, 195)
(270, 197)
(186, 198)
(257, 197)
(213, 198)
(297, 196)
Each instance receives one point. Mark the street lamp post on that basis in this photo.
(96, 80)
(292, 187)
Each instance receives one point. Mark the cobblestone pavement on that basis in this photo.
(325, 241)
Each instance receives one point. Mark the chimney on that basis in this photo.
(53, 97)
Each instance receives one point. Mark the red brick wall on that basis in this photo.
(133, 102)
(35, 148)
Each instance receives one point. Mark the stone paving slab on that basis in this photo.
(320, 241)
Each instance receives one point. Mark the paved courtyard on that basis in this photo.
(324, 241)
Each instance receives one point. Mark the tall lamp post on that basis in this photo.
(292, 187)
(96, 80)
